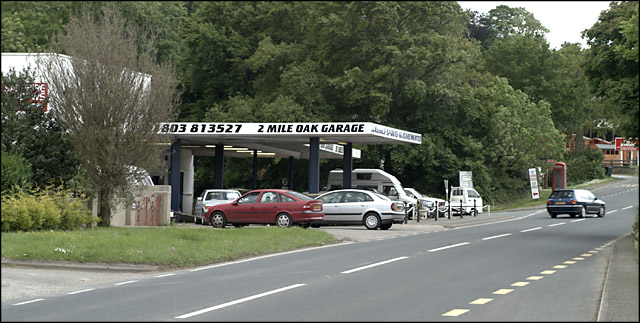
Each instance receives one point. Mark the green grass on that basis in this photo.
(166, 247)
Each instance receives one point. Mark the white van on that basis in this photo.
(378, 180)
(466, 196)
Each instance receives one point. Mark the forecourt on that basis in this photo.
(283, 140)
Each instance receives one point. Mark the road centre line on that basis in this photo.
(614, 211)
(373, 265)
(165, 275)
(124, 283)
(498, 236)
(81, 291)
(628, 207)
(553, 225)
(242, 300)
(31, 301)
(532, 229)
(447, 247)
(578, 220)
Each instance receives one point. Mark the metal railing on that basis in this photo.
(620, 162)
(448, 209)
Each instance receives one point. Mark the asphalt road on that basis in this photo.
(527, 267)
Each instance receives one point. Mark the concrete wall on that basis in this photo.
(152, 208)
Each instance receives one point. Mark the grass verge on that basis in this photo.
(166, 247)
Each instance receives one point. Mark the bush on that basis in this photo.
(16, 173)
(44, 210)
(585, 166)
(74, 212)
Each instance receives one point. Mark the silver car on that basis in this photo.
(213, 197)
(428, 205)
(357, 207)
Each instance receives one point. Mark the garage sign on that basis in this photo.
(533, 179)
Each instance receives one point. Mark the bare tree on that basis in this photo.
(109, 95)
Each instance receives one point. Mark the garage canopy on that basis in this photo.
(312, 141)
(284, 139)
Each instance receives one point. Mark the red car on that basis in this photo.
(267, 206)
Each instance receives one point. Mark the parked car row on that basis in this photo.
(429, 206)
(285, 208)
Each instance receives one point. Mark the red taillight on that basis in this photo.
(549, 202)
(573, 202)
(397, 206)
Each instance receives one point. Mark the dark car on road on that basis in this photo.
(266, 206)
(574, 202)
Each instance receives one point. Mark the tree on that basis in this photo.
(31, 133)
(611, 63)
(109, 96)
(504, 21)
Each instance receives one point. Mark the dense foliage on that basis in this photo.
(28, 131)
(485, 91)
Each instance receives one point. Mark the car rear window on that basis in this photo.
(561, 194)
(299, 195)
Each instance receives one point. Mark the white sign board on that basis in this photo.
(311, 129)
(465, 179)
(533, 179)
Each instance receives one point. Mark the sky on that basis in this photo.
(564, 19)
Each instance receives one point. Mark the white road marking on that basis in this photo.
(498, 236)
(81, 291)
(124, 283)
(447, 247)
(165, 275)
(553, 225)
(242, 300)
(373, 265)
(32, 301)
(532, 229)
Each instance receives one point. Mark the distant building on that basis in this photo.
(612, 157)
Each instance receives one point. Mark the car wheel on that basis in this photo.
(218, 220)
(371, 221)
(553, 215)
(386, 226)
(283, 220)
(583, 212)
(601, 212)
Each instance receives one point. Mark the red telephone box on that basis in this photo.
(559, 176)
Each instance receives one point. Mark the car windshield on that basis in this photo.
(299, 195)
(415, 193)
(222, 196)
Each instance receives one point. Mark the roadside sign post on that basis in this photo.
(446, 192)
(533, 180)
